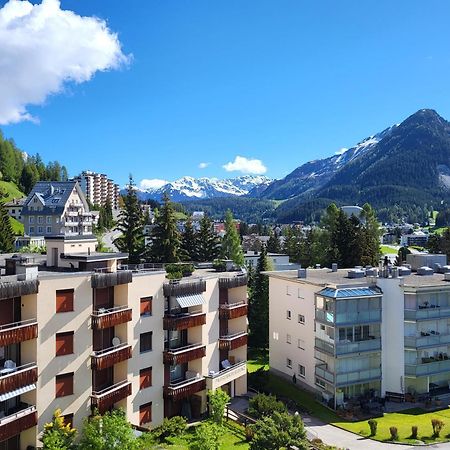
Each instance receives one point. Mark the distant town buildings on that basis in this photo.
(418, 238)
(14, 208)
(98, 188)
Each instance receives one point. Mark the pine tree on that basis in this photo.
(6, 231)
(231, 245)
(166, 237)
(258, 309)
(207, 242)
(131, 224)
(273, 244)
(371, 237)
(188, 242)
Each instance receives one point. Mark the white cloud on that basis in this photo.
(341, 151)
(203, 165)
(42, 48)
(154, 183)
(245, 165)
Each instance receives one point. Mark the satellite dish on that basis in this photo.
(116, 341)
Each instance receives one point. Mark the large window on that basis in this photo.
(64, 300)
(64, 385)
(145, 413)
(146, 306)
(64, 343)
(145, 342)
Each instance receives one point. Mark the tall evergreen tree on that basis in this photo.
(273, 244)
(207, 242)
(166, 237)
(231, 245)
(188, 242)
(131, 224)
(258, 308)
(6, 231)
(371, 237)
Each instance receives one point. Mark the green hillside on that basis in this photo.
(17, 227)
(10, 190)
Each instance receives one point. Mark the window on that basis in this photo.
(146, 306)
(49, 219)
(322, 327)
(301, 319)
(31, 219)
(64, 300)
(288, 338)
(288, 314)
(301, 344)
(145, 413)
(145, 342)
(145, 378)
(40, 219)
(301, 370)
(320, 383)
(40, 229)
(31, 230)
(64, 343)
(289, 363)
(64, 385)
(49, 229)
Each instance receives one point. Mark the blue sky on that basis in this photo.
(283, 82)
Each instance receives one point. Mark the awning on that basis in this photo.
(185, 301)
(17, 392)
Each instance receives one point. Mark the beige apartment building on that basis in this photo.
(357, 335)
(86, 332)
(99, 189)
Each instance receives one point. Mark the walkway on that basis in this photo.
(342, 439)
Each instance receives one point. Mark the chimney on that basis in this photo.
(334, 267)
(301, 273)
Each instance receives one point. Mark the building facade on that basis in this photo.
(14, 208)
(99, 189)
(355, 335)
(56, 208)
(97, 336)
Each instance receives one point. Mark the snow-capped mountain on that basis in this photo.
(189, 188)
(314, 174)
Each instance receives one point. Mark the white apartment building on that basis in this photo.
(352, 334)
(99, 189)
(87, 334)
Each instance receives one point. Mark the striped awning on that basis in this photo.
(17, 392)
(185, 301)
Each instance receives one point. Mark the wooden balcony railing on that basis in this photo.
(232, 341)
(233, 310)
(14, 424)
(240, 279)
(18, 288)
(185, 388)
(12, 379)
(108, 357)
(183, 321)
(183, 355)
(102, 280)
(190, 287)
(13, 333)
(107, 318)
(104, 399)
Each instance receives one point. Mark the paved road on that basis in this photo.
(109, 237)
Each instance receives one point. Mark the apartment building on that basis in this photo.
(361, 333)
(86, 332)
(99, 189)
(56, 207)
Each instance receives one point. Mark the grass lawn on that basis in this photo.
(387, 250)
(17, 227)
(233, 438)
(257, 359)
(11, 191)
(404, 421)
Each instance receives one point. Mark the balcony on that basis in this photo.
(14, 424)
(230, 311)
(233, 281)
(176, 322)
(427, 366)
(13, 333)
(233, 341)
(347, 378)
(108, 357)
(102, 280)
(12, 379)
(16, 288)
(427, 313)
(427, 340)
(370, 345)
(321, 371)
(183, 355)
(104, 399)
(217, 379)
(184, 389)
(177, 288)
(349, 318)
(107, 318)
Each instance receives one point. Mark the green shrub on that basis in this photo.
(259, 379)
(219, 265)
(394, 433)
(174, 275)
(373, 426)
(249, 434)
(414, 431)
(170, 428)
(218, 400)
(262, 405)
(183, 268)
(437, 425)
(207, 437)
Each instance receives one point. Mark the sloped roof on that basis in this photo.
(54, 195)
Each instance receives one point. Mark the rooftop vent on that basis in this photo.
(317, 266)
(356, 273)
(301, 273)
(404, 271)
(372, 272)
(424, 270)
(447, 276)
(334, 267)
